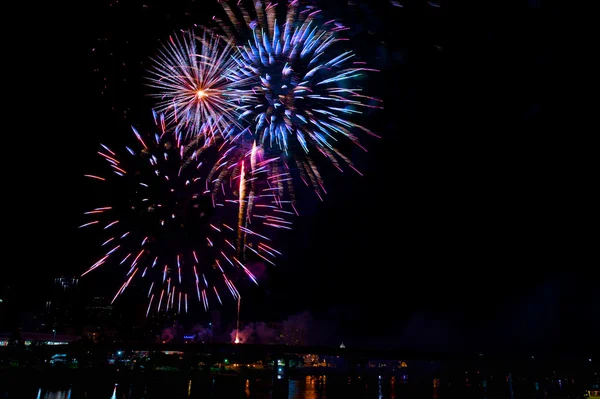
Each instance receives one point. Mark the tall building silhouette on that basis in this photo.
(2, 305)
(63, 307)
(7, 307)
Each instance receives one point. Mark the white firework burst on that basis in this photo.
(193, 81)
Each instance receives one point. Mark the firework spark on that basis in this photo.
(174, 218)
(306, 85)
(192, 79)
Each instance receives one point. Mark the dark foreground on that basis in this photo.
(75, 384)
(232, 372)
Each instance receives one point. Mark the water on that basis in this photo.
(310, 387)
(176, 386)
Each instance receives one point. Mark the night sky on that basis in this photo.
(465, 232)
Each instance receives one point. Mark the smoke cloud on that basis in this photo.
(295, 330)
(200, 333)
(177, 332)
(298, 329)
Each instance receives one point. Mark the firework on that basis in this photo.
(186, 225)
(305, 85)
(191, 78)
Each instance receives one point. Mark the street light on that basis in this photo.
(54, 340)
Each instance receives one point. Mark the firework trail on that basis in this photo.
(173, 218)
(306, 85)
(193, 82)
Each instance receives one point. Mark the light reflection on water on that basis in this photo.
(312, 387)
(65, 394)
(309, 387)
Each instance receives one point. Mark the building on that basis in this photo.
(285, 333)
(278, 335)
(100, 322)
(7, 309)
(6, 328)
(292, 335)
(39, 338)
(31, 322)
(5, 338)
(63, 305)
(99, 312)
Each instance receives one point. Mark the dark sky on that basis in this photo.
(467, 222)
